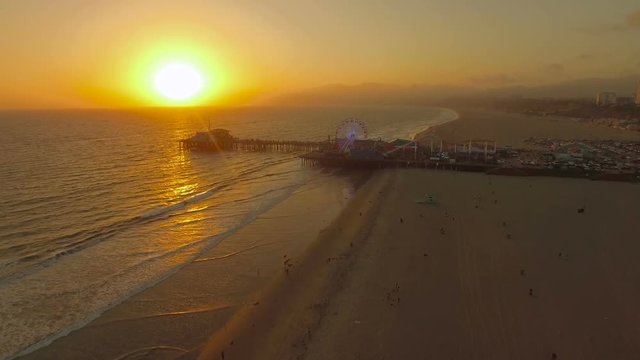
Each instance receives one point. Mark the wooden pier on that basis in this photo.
(366, 154)
(278, 145)
(220, 139)
(255, 145)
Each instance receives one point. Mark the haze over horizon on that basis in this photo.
(76, 53)
(267, 179)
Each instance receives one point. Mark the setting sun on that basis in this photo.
(178, 82)
(193, 173)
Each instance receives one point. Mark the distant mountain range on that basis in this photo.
(386, 94)
(582, 88)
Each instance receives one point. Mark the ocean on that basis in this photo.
(96, 206)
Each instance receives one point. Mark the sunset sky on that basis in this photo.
(72, 53)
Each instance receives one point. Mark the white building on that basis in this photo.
(606, 98)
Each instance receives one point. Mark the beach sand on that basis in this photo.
(444, 281)
(511, 129)
(457, 265)
(498, 268)
(180, 313)
(393, 279)
(281, 323)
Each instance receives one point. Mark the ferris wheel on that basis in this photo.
(350, 130)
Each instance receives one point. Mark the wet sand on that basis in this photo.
(281, 323)
(179, 314)
(499, 268)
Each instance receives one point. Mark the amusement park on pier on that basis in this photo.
(351, 147)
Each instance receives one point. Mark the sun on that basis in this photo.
(178, 81)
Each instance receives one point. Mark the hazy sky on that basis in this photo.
(72, 53)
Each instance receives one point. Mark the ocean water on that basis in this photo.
(97, 205)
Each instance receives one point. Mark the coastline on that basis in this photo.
(511, 129)
(477, 275)
(182, 310)
(308, 298)
(500, 267)
(69, 341)
(282, 320)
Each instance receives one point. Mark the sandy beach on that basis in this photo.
(498, 268)
(511, 129)
(319, 180)
(181, 312)
(452, 280)
(446, 281)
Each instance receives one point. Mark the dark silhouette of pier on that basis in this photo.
(221, 140)
(471, 156)
(279, 145)
(256, 145)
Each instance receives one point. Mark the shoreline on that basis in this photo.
(432, 129)
(511, 129)
(476, 275)
(196, 294)
(415, 136)
(70, 332)
(291, 309)
(283, 318)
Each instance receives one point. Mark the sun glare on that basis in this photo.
(178, 82)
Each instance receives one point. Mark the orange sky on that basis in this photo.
(73, 53)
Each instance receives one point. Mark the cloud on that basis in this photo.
(633, 20)
(493, 79)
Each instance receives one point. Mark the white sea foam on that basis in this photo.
(160, 210)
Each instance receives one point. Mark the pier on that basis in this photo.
(256, 145)
(221, 139)
(278, 145)
(348, 149)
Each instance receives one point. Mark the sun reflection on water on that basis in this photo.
(181, 190)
